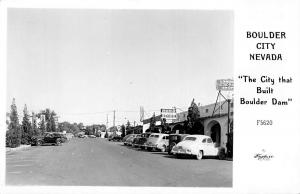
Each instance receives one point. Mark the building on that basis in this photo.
(216, 121)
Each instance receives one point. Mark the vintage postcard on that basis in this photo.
(150, 97)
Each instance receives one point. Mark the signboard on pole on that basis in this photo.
(168, 114)
(224, 85)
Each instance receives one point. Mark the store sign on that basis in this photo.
(224, 85)
(168, 114)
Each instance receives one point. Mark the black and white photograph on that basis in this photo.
(141, 96)
(129, 97)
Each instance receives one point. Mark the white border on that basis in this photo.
(245, 14)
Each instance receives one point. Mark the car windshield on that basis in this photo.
(190, 139)
(48, 135)
(145, 135)
(154, 136)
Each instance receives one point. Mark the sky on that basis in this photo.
(83, 64)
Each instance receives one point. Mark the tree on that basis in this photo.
(52, 121)
(80, 126)
(192, 117)
(49, 121)
(128, 128)
(165, 126)
(123, 130)
(42, 127)
(152, 124)
(26, 127)
(13, 136)
(68, 127)
(34, 128)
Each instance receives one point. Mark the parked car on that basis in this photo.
(115, 138)
(175, 139)
(157, 141)
(47, 139)
(82, 136)
(198, 146)
(125, 138)
(140, 141)
(92, 136)
(62, 136)
(136, 140)
(131, 138)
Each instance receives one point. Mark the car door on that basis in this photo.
(47, 138)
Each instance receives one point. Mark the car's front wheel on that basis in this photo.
(199, 155)
(58, 142)
(39, 143)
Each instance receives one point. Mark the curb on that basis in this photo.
(21, 147)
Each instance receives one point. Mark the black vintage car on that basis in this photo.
(139, 141)
(175, 139)
(48, 139)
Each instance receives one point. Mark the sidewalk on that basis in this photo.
(21, 147)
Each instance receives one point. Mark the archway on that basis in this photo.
(215, 131)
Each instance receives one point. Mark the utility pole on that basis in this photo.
(106, 121)
(228, 125)
(228, 116)
(114, 118)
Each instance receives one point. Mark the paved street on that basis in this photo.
(98, 162)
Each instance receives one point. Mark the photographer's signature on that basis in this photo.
(263, 156)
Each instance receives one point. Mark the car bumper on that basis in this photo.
(151, 146)
(181, 152)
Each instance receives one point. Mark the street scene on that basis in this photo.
(96, 161)
(119, 98)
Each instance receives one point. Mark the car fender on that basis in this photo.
(194, 149)
(198, 148)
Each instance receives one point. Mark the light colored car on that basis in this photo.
(199, 146)
(157, 141)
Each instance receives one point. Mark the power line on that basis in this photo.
(113, 111)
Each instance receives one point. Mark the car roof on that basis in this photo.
(159, 134)
(199, 136)
(173, 134)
